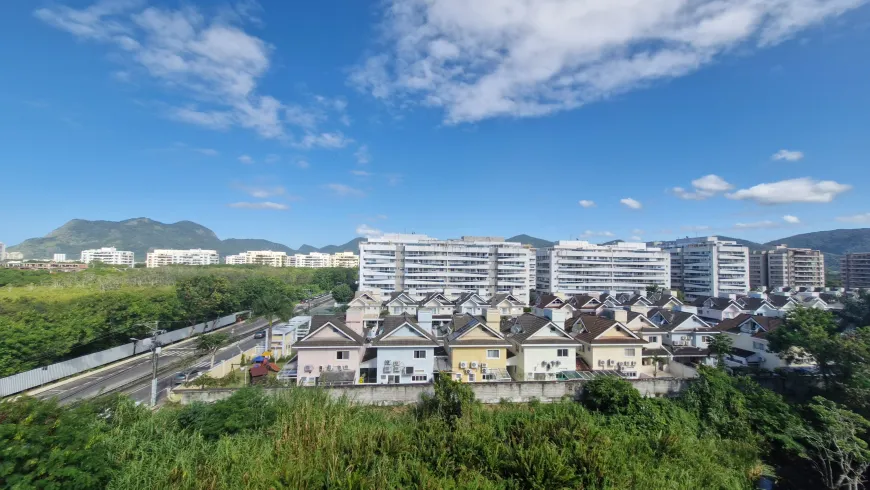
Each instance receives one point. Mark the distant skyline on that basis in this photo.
(301, 122)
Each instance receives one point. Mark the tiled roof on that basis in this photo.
(546, 299)
(593, 326)
(463, 323)
(318, 321)
(429, 297)
(392, 323)
(581, 300)
(665, 299)
(498, 298)
(520, 329)
(778, 300)
(690, 352)
(750, 303)
(664, 352)
(767, 323)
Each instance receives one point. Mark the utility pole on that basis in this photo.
(155, 352)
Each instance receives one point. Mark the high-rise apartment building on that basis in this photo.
(59, 258)
(787, 267)
(482, 265)
(266, 257)
(239, 259)
(194, 256)
(345, 259)
(314, 260)
(708, 266)
(574, 267)
(108, 255)
(2, 251)
(855, 270)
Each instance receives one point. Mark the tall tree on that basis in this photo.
(834, 444)
(856, 311)
(211, 344)
(721, 346)
(205, 297)
(273, 305)
(810, 333)
(342, 293)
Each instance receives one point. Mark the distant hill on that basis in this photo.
(530, 240)
(140, 235)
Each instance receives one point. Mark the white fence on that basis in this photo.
(39, 376)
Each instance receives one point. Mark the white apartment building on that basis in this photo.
(708, 266)
(108, 255)
(314, 260)
(787, 267)
(575, 267)
(235, 259)
(345, 259)
(408, 262)
(194, 256)
(59, 258)
(266, 257)
(2, 251)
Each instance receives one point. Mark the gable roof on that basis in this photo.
(766, 323)
(319, 322)
(674, 319)
(637, 299)
(521, 329)
(663, 299)
(583, 301)
(547, 300)
(464, 323)
(779, 300)
(717, 302)
(465, 297)
(590, 327)
(393, 323)
(750, 303)
(365, 299)
(401, 297)
(435, 296)
(498, 298)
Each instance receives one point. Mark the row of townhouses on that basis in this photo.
(402, 338)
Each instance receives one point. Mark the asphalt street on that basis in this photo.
(125, 374)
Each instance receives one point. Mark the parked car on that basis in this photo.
(260, 335)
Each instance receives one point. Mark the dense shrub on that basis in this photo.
(611, 395)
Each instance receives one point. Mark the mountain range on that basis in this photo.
(143, 234)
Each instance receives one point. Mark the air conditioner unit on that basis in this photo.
(409, 370)
(473, 364)
(601, 363)
(463, 365)
(485, 370)
(396, 364)
(386, 363)
(618, 364)
(309, 368)
(329, 367)
(387, 369)
(345, 367)
(468, 371)
(483, 365)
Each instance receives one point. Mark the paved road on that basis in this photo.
(140, 369)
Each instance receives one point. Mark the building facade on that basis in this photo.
(787, 267)
(196, 256)
(108, 255)
(238, 259)
(708, 266)
(314, 260)
(855, 270)
(265, 257)
(575, 267)
(482, 265)
(2, 251)
(347, 260)
(59, 258)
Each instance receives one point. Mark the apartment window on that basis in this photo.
(562, 353)
(419, 354)
(493, 354)
(419, 377)
(472, 378)
(629, 352)
(393, 379)
(653, 338)
(342, 354)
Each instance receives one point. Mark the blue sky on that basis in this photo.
(314, 122)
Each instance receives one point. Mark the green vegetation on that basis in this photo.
(211, 344)
(73, 314)
(342, 293)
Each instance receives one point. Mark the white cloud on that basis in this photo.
(361, 173)
(394, 179)
(855, 218)
(210, 60)
(590, 233)
(636, 238)
(637, 231)
(586, 204)
(483, 59)
(368, 232)
(344, 119)
(362, 155)
(259, 205)
(343, 190)
(262, 192)
(756, 224)
(323, 140)
(631, 203)
(788, 155)
(794, 220)
(272, 158)
(209, 152)
(703, 188)
(695, 228)
(246, 159)
(303, 164)
(791, 191)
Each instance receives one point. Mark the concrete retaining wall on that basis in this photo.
(544, 391)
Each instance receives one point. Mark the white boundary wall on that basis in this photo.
(39, 376)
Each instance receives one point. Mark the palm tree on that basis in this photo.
(273, 305)
(720, 346)
(656, 360)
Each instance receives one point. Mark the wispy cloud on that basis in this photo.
(590, 233)
(210, 60)
(272, 158)
(703, 188)
(695, 228)
(755, 224)
(367, 231)
(343, 190)
(362, 155)
(209, 152)
(478, 60)
(855, 218)
(636, 238)
(261, 192)
(586, 204)
(804, 190)
(260, 205)
(631, 203)
(361, 173)
(246, 159)
(788, 155)
(323, 140)
(790, 219)
(303, 164)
